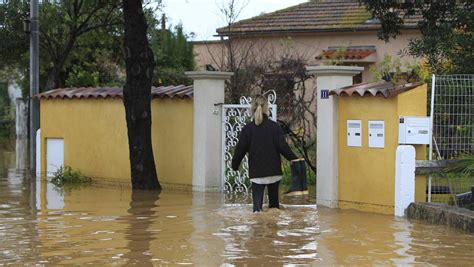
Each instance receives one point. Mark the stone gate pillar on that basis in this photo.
(207, 131)
(328, 78)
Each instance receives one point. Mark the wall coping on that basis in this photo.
(209, 75)
(332, 70)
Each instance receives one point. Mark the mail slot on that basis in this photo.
(414, 130)
(376, 134)
(354, 133)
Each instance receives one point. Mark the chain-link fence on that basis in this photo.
(452, 111)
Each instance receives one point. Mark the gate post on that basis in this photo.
(207, 143)
(404, 178)
(328, 78)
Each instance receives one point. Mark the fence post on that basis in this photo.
(207, 133)
(430, 155)
(404, 178)
(328, 78)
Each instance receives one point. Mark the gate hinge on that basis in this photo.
(215, 111)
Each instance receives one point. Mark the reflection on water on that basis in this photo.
(139, 221)
(106, 225)
(21, 155)
(358, 238)
(7, 156)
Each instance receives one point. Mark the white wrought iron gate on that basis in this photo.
(234, 118)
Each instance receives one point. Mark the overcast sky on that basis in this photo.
(203, 17)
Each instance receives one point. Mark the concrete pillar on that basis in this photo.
(404, 179)
(21, 118)
(21, 130)
(207, 131)
(328, 78)
(38, 153)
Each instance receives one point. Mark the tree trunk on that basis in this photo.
(139, 64)
(52, 80)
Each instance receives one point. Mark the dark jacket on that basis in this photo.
(264, 143)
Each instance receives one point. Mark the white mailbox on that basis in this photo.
(414, 131)
(376, 134)
(354, 133)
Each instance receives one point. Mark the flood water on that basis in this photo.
(110, 225)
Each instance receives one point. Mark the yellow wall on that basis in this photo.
(414, 103)
(95, 137)
(172, 133)
(367, 175)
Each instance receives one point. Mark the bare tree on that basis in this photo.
(260, 64)
(235, 54)
(296, 101)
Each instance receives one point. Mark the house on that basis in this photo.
(315, 30)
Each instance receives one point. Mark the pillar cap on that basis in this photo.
(209, 75)
(333, 70)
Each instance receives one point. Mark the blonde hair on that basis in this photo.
(259, 108)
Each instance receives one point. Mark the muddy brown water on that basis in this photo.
(114, 226)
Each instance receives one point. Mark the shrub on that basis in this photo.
(464, 167)
(66, 175)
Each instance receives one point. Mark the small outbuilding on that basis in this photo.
(85, 128)
(369, 119)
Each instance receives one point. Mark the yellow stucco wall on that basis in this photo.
(367, 175)
(172, 132)
(414, 103)
(95, 137)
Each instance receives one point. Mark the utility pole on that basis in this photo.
(34, 82)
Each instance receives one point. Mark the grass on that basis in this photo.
(68, 176)
(459, 184)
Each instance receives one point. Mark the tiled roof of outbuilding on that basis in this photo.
(382, 88)
(351, 52)
(313, 16)
(181, 91)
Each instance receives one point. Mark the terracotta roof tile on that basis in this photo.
(180, 91)
(351, 52)
(313, 16)
(382, 88)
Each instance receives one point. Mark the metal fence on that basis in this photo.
(452, 112)
(453, 116)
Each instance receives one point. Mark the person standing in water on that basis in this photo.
(264, 141)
